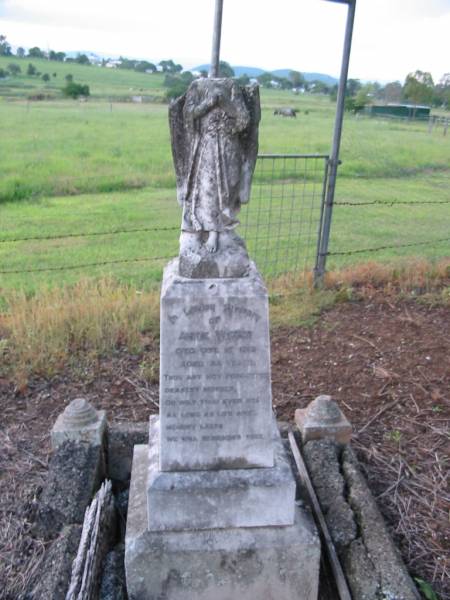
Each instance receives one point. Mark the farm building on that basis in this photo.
(409, 111)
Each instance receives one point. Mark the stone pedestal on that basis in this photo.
(249, 563)
(212, 513)
(226, 497)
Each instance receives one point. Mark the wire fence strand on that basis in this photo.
(281, 225)
(86, 265)
(86, 234)
(389, 247)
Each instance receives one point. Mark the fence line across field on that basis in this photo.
(282, 225)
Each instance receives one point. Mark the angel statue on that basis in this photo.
(214, 130)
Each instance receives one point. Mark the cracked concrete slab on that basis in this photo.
(372, 564)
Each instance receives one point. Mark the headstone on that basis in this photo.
(215, 393)
(212, 513)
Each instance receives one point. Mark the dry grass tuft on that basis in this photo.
(91, 318)
(294, 301)
(21, 554)
(40, 335)
(420, 276)
(416, 499)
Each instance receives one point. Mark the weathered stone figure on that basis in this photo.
(212, 512)
(214, 129)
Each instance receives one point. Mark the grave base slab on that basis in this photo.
(189, 500)
(271, 563)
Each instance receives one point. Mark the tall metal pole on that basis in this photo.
(214, 70)
(321, 258)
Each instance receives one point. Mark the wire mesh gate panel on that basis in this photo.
(282, 221)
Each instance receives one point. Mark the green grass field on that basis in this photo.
(103, 83)
(76, 167)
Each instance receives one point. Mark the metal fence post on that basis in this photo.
(217, 31)
(334, 162)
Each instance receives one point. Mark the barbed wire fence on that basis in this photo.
(282, 224)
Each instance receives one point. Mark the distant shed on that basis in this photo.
(408, 111)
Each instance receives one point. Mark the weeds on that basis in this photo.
(88, 319)
(417, 277)
(42, 333)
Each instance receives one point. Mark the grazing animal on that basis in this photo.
(286, 112)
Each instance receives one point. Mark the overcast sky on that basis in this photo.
(391, 37)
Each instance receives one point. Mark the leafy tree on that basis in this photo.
(319, 87)
(265, 79)
(14, 69)
(283, 82)
(36, 52)
(58, 56)
(74, 90)
(187, 77)
(269, 80)
(334, 92)
(203, 73)
(143, 66)
(353, 87)
(5, 48)
(442, 92)
(297, 79)
(177, 84)
(225, 69)
(31, 69)
(45, 77)
(362, 98)
(244, 79)
(168, 66)
(419, 87)
(69, 77)
(82, 59)
(3, 73)
(392, 92)
(20, 52)
(175, 92)
(126, 63)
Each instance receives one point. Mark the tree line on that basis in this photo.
(143, 66)
(418, 87)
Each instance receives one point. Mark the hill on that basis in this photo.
(256, 72)
(328, 79)
(114, 84)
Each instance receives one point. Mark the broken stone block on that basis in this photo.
(75, 472)
(122, 437)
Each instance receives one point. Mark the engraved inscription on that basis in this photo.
(231, 309)
(223, 335)
(199, 308)
(195, 336)
(215, 380)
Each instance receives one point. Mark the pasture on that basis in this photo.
(87, 199)
(71, 167)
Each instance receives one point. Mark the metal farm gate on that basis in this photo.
(283, 221)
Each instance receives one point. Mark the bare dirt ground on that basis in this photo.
(386, 362)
